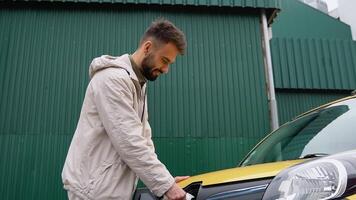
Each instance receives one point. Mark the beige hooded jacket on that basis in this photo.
(112, 143)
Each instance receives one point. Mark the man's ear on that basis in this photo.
(147, 46)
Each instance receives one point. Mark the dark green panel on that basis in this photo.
(31, 166)
(220, 92)
(314, 63)
(213, 101)
(45, 68)
(299, 20)
(292, 103)
(198, 155)
(230, 3)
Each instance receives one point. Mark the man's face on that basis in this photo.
(158, 59)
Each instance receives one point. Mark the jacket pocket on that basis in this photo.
(95, 182)
(115, 181)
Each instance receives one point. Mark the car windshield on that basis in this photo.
(325, 131)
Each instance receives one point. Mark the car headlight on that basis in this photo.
(324, 178)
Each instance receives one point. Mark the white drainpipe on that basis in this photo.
(269, 73)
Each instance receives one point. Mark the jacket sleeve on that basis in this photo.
(113, 95)
(148, 132)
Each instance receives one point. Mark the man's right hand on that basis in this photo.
(175, 193)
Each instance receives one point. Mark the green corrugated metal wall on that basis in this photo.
(31, 164)
(219, 99)
(295, 102)
(205, 114)
(314, 59)
(299, 20)
(230, 3)
(314, 63)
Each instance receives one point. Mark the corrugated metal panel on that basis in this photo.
(213, 100)
(197, 155)
(299, 20)
(221, 3)
(214, 87)
(314, 63)
(31, 164)
(292, 103)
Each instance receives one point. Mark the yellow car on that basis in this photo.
(311, 157)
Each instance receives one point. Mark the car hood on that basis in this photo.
(240, 173)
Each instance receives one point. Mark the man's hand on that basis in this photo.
(175, 193)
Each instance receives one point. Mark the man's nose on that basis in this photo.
(165, 69)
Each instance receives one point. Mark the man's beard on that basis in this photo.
(147, 67)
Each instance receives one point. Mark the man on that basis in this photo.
(112, 147)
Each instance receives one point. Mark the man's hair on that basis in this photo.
(164, 31)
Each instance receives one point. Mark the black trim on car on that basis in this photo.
(249, 190)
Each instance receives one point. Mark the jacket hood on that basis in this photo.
(106, 61)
